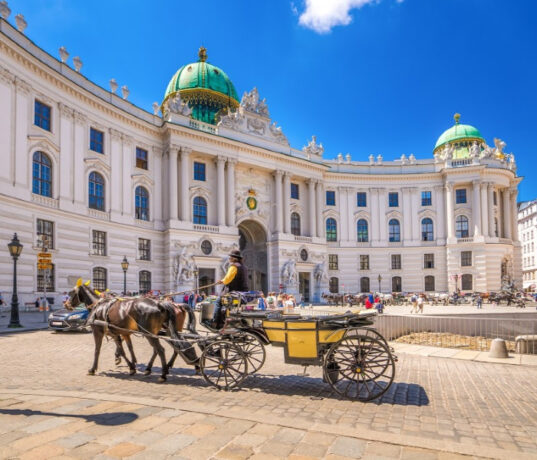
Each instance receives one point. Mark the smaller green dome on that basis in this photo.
(458, 132)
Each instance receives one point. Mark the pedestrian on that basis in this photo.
(479, 301)
(368, 304)
(261, 302)
(420, 304)
(414, 302)
(65, 298)
(271, 300)
(1, 299)
(279, 300)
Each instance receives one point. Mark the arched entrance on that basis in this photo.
(253, 246)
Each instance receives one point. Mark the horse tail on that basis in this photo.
(185, 348)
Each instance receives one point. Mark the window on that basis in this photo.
(460, 196)
(334, 285)
(99, 278)
(397, 284)
(396, 261)
(394, 231)
(364, 284)
(141, 158)
(200, 211)
(96, 140)
(96, 191)
(466, 258)
(393, 199)
(363, 231)
(46, 228)
(461, 227)
(467, 282)
(428, 260)
(99, 242)
(144, 249)
(294, 191)
(494, 198)
(142, 203)
(41, 175)
(47, 276)
(295, 223)
(199, 171)
(496, 227)
(429, 283)
(330, 198)
(427, 233)
(304, 255)
(361, 199)
(364, 262)
(331, 229)
(332, 262)
(426, 199)
(42, 115)
(206, 247)
(144, 281)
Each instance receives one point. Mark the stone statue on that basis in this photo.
(500, 145)
(256, 126)
(276, 131)
(320, 274)
(475, 151)
(183, 267)
(250, 100)
(448, 152)
(176, 105)
(289, 273)
(262, 108)
(313, 148)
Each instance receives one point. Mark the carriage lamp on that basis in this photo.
(379, 279)
(125, 267)
(15, 249)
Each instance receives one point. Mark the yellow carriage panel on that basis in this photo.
(302, 344)
(331, 336)
(275, 331)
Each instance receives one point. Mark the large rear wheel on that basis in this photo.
(253, 348)
(223, 365)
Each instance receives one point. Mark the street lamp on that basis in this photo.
(125, 267)
(379, 279)
(196, 273)
(15, 249)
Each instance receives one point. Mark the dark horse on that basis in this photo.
(125, 316)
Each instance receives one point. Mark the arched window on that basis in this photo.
(142, 203)
(394, 230)
(427, 233)
(396, 284)
(331, 229)
(461, 227)
(467, 282)
(429, 283)
(295, 223)
(96, 191)
(144, 281)
(334, 285)
(200, 211)
(41, 175)
(364, 284)
(99, 278)
(362, 231)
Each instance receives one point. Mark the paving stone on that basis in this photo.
(309, 450)
(288, 435)
(173, 443)
(411, 453)
(75, 440)
(123, 449)
(41, 452)
(347, 447)
(235, 452)
(198, 429)
(276, 448)
(382, 450)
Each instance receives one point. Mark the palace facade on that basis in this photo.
(175, 190)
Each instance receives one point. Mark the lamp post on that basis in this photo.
(15, 249)
(125, 267)
(379, 280)
(196, 279)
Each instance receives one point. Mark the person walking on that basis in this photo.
(479, 301)
(420, 304)
(414, 302)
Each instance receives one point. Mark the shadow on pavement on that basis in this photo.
(109, 419)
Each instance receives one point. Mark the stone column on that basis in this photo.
(185, 184)
(172, 180)
(287, 202)
(440, 229)
(320, 207)
(514, 213)
(476, 207)
(351, 205)
(343, 214)
(415, 221)
(311, 203)
(450, 221)
(278, 201)
(490, 203)
(484, 211)
(374, 225)
(157, 169)
(221, 184)
(506, 214)
(231, 191)
(382, 224)
(407, 214)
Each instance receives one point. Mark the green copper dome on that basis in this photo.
(205, 87)
(459, 133)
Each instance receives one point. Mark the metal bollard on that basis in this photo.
(498, 349)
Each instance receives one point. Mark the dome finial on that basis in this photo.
(457, 117)
(202, 53)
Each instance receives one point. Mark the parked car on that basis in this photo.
(67, 320)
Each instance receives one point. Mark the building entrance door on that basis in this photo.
(304, 286)
(253, 246)
(206, 276)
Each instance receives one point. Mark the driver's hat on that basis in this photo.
(235, 253)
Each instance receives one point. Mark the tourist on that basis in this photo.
(420, 303)
(479, 301)
(279, 300)
(65, 298)
(414, 302)
(368, 303)
(261, 302)
(271, 301)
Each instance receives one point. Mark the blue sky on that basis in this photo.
(365, 76)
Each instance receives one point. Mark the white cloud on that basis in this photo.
(322, 15)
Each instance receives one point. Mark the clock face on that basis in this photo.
(251, 203)
(304, 255)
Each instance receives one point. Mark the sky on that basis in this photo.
(364, 76)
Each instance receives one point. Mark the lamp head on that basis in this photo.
(15, 247)
(125, 264)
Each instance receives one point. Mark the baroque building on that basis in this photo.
(527, 234)
(175, 190)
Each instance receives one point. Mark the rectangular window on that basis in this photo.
(294, 191)
(330, 198)
(426, 199)
(466, 258)
(99, 242)
(428, 260)
(393, 199)
(144, 249)
(141, 158)
(364, 262)
(47, 276)
(199, 171)
(361, 199)
(396, 261)
(96, 140)
(45, 228)
(494, 198)
(460, 196)
(42, 115)
(332, 262)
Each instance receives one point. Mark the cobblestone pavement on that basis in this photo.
(436, 406)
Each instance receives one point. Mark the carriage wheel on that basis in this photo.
(253, 349)
(223, 364)
(359, 367)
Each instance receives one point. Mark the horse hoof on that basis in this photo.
(147, 372)
(161, 379)
(91, 372)
(118, 361)
(132, 372)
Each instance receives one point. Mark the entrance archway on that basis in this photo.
(253, 246)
